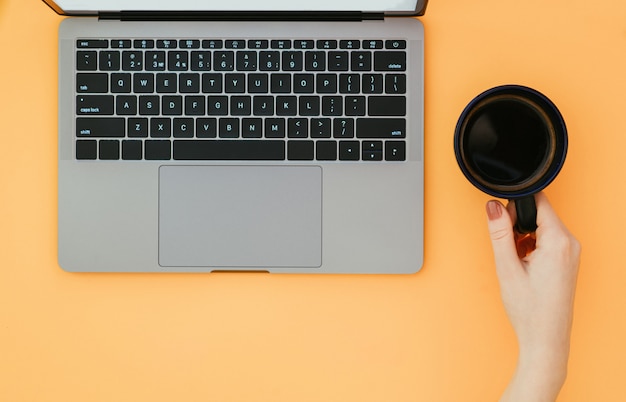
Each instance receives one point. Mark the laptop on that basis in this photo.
(276, 136)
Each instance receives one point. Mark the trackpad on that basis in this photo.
(240, 216)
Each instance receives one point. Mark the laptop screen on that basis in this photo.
(89, 6)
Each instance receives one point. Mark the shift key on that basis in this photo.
(380, 128)
(94, 104)
(106, 127)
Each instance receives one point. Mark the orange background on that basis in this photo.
(439, 335)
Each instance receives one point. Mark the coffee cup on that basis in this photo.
(510, 142)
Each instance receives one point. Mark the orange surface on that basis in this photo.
(439, 335)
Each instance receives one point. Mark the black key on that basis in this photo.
(361, 61)
(349, 83)
(132, 150)
(320, 128)
(143, 83)
(189, 83)
(94, 104)
(155, 61)
(121, 43)
(350, 44)
(160, 127)
(343, 128)
(349, 150)
(281, 44)
(315, 61)
(380, 128)
(109, 149)
(303, 44)
(87, 60)
(92, 43)
(212, 83)
(389, 61)
(332, 105)
(105, 127)
(218, 105)
(206, 128)
(240, 105)
(235, 83)
(258, 83)
(372, 150)
(292, 61)
(309, 105)
(149, 105)
(200, 61)
(86, 149)
(195, 105)
(275, 128)
(166, 83)
(395, 83)
(246, 61)
(92, 83)
(109, 60)
(137, 127)
(229, 150)
(178, 60)
(235, 44)
(280, 83)
(373, 83)
(372, 44)
(126, 105)
(300, 150)
(143, 43)
(303, 83)
(224, 60)
(166, 44)
(395, 44)
(355, 106)
(387, 105)
(132, 60)
(183, 128)
(263, 105)
(212, 44)
(229, 128)
(326, 83)
(372, 155)
(269, 60)
(252, 128)
(326, 150)
(158, 150)
(258, 43)
(298, 128)
(338, 61)
(189, 44)
(286, 105)
(326, 44)
(172, 105)
(395, 151)
(121, 83)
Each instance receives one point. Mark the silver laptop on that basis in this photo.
(278, 136)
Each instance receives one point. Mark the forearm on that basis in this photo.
(537, 378)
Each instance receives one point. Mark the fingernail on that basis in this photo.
(494, 210)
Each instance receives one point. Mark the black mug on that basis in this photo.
(511, 142)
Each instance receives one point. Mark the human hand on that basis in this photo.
(538, 294)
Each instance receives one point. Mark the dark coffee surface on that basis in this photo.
(506, 142)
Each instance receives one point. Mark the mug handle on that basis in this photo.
(526, 210)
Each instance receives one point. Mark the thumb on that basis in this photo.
(501, 233)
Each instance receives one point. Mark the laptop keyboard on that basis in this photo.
(201, 99)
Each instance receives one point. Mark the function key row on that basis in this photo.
(239, 44)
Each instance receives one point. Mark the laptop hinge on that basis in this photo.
(240, 16)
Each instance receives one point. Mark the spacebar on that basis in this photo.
(257, 150)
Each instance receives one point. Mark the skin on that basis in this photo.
(538, 294)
